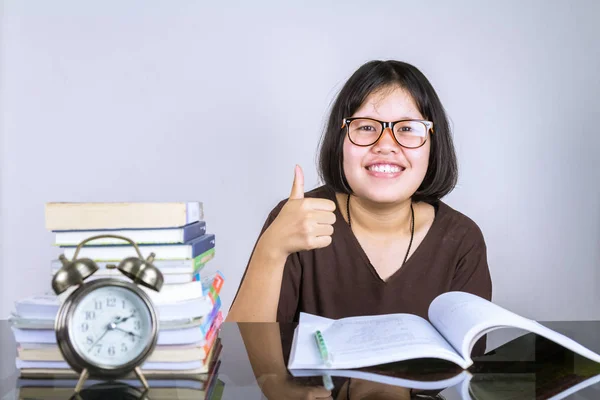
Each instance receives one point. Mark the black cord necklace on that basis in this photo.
(412, 225)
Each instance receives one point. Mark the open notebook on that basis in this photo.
(393, 377)
(458, 320)
(509, 371)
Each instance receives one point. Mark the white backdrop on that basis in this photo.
(161, 101)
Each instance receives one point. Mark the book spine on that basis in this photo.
(166, 266)
(189, 309)
(116, 253)
(169, 279)
(200, 263)
(183, 234)
(77, 216)
(202, 244)
(194, 212)
(194, 230)
(202, 259)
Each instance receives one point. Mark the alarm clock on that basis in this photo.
(106, 328)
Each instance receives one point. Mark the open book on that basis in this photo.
(391, 376)
(458, 320)
(510, 371)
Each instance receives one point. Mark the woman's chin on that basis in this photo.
(383, 192)
(384, 198)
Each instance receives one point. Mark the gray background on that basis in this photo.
(162, 101)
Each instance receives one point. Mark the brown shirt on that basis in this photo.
(339, 281)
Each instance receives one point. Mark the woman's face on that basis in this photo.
(386, 172)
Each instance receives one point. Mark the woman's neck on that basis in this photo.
(379, 219)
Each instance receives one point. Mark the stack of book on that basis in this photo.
(188, 305)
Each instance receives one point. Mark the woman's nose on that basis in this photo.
(387, 142)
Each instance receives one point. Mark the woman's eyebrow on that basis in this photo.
(397, 119)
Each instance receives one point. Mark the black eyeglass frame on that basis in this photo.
(346, 124)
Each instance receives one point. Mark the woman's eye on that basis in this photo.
(367, 128)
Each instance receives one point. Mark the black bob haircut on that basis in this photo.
(442, 170)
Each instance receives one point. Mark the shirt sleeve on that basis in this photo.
(290, 285)
(472, 274)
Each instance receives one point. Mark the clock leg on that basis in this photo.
(139, 374)
(84, 375)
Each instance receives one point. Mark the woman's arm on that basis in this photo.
(296, 224)
(263, 345)
(259, 291)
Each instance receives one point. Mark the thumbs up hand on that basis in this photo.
(302, 223)
(298, 184)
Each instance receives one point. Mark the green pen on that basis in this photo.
(328, 382)
(325, 356)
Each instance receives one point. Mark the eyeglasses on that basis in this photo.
(408, 133)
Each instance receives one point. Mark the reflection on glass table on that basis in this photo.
(253, 359)
(529, 366)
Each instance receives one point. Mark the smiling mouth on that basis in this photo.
(386, 168)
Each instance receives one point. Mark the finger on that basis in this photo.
(323, 230)
(298, 185)
(318, 242)
(319, 204)
(323, 217)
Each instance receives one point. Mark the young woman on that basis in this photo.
(375, 238)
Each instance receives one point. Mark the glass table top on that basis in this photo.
(253, 356)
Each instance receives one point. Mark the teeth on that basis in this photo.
(385, 168)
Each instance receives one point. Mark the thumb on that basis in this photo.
(298, 186)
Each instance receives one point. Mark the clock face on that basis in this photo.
(110, 326)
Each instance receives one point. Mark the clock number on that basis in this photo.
(123, 304)
(98, 305)
(132, 337)
(137, 324)
(98, 348)
(90, 315)
(111, 302)
(111, 350)
(89, 340)
(84, 327)
(123, 347)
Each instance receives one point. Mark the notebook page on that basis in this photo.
(304, 352)
(370, 340)
(462, 318)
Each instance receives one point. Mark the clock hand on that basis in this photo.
(101, 336)
(127, 332)
(109, 327)
(118, 320)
